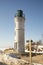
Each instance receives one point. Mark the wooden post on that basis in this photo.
(30, 52)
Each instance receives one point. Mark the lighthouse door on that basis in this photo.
(15, 46)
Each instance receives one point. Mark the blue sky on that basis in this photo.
(33, 10)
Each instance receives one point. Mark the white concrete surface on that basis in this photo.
(19, 34)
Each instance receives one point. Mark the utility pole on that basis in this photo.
(30, 43)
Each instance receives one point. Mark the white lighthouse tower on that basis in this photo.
(19, 20)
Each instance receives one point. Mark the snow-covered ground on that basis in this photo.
(12, 59)
(34, 51)
(36, 64)
(8, 59)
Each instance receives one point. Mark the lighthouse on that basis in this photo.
(19, 42)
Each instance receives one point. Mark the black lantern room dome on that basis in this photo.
(19, 13)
